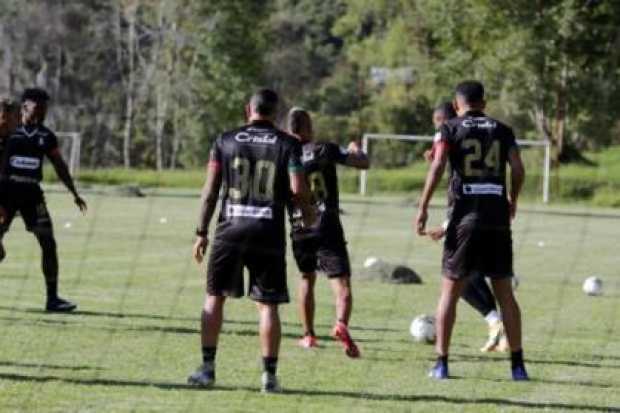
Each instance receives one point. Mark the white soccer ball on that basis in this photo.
(163, 220)
(422, 329)
(372, 262)
(68, 224)
(593, 286)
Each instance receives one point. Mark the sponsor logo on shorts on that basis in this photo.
(248, 211)
(483, 189)
(25, 162)
(259, 138)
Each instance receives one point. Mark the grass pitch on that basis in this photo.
(135, 338)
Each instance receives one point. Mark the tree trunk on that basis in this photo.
(130, 14)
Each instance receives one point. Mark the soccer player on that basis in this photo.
(21, 172)
(477, 292)
(478, 238)
(323, 247)
(258, 168)
(9, 118)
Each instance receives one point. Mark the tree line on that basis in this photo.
(150, 83)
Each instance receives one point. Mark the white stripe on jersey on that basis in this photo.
(249, 211)
(483, 189)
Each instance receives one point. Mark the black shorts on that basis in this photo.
(28, 200)
(266, 267)
(327, 253)
(470, 249)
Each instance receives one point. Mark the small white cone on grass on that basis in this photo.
(593, 286)
(373, 263)
(68, 224)
(541, 244)
(163, 220)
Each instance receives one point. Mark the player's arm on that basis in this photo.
(302, 197)
(517, 177)
(208, 204)
(356, 157)
(435, 172)
(62, 170)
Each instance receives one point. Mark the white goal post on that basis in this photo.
(70, 146)
(423, 138)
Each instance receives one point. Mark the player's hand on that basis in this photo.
(354, 147)
(420, 222)
(200, 248)
(428, 155)
(512, 205)
(436, 233)
(80, 204)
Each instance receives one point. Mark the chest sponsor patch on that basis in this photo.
(257, 138)
(25, 162)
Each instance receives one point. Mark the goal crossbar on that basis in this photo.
(425, 138)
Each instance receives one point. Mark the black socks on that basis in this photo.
(270, 365)
(208, 354)
(516, 358)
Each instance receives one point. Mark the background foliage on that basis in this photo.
(150, 83)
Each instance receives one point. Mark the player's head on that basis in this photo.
(263, 105)
(443, 113)
(299, 124)
(34, 106)
(469, 96)
(9, 116)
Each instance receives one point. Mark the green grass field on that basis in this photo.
(135, 338)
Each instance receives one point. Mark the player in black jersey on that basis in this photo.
(478, 238)
(323, 247)
(21, 171)
(259, 170)
(9, 118)
(477, 292)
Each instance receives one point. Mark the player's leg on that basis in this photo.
(270, 336)
(268, 287)
(306, 306)
(224, 279)
(9, 215)
(478, 294)
(341, 286)
(457, 260)
(38, 221)
(500, 271)
(451, 290)
(304, 251)
(334, 262)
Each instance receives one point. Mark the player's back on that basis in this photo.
(478, 153)
(255, 162)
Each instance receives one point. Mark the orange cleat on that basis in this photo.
(308, 342)
(341, 333)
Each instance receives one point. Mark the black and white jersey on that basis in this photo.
(478, 154)
(24, 151)
(319, 161)
(255, 161)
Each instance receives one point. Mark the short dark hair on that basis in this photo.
(8, 105)
(471, 90)
(447, 108)
(297, 119)
(265, 102)
(35, 94)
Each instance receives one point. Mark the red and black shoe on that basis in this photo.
(341, 333)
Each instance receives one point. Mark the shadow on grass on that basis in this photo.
(421, 398)
(47, 366)
(164, 317)
(470, 358)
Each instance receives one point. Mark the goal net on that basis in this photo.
(70, 145)
(405, 153)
